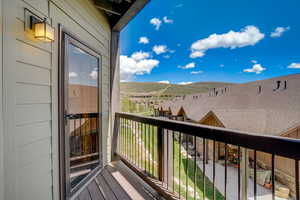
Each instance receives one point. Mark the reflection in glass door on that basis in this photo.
(81, 111)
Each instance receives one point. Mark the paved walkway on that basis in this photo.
(232, 182)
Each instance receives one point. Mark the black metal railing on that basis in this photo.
(84, 144)
(191, 161)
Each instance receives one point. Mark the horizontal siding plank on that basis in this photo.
(32, 94)
(34, 152)
(80, 16)
(33, 132)
(35, 186)
(86, 11)
(26, 73)
(26, 114)
(20, 10)
(59, 17)
(40, 5)
(32, 55)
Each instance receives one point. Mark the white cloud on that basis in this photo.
(294, 66)
(94, 74)
(167, 56)
(196, 72)
(159, 49)
(254, 61)
(140, 55)
(165, 82)
(130, 67)
(184, 83)
(197, 54)
(256, 68)
(248, 36)
(167, 21)
(222, 65)
(73, 75)
(156, 22)
(143, 40)
(279, 31)
(188, 66)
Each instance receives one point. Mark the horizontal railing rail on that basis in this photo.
(169, 151)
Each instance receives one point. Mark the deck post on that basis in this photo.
(244, 173)
(115, 137)
(160, 144)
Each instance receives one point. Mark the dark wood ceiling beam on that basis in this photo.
(107, 6)
(134, 9)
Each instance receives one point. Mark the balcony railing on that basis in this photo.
(84, 145)
(191, 161)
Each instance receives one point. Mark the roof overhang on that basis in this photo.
(120, 12)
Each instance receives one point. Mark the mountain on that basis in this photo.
(168, 89)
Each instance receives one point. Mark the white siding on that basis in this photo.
(1, 122)
(30, 72)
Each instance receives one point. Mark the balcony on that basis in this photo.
(165, 159)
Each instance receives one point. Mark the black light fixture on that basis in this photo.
(42, 30)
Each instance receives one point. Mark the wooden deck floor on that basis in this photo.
(117, 182)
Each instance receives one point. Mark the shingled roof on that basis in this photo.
(259, 107)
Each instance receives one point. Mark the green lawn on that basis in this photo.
(184, 173)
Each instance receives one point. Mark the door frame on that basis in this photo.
(64, 37)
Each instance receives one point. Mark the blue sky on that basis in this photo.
(212, 40)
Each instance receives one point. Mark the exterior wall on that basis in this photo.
(30, 88)
(1, 120)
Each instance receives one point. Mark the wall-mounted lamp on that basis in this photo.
(42, 30)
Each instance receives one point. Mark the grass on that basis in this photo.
(170, 89)
(186, 173)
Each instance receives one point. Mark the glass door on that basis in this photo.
(81, 107)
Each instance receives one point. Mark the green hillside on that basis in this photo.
(170, 89)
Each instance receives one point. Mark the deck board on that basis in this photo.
(117, 182)
(95, 192)
(84, 195)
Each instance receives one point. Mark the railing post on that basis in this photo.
(115, 137)
(244, 173)
(160, 144)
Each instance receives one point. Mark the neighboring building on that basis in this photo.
(267, 107)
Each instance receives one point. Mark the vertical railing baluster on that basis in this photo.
(186, 165)
(255, 186)
(160, 143)
(144, 146)
(149, 149)
(214, 170)
(195, 166)
(239, 173)
(179, 165)
(204, 160)
(80, 137)
(225, 189)
(131, 139)
(297, 179)
(140, 145)
(167, 175)
(273, 177)
(90, 134)
(74, 136)
(153, 151)
(173, 159)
